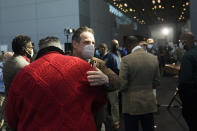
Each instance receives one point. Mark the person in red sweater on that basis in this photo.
(53, 93)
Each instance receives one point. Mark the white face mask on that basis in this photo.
(32, 53)
(88, 51)
(149, 46)
(181, 45)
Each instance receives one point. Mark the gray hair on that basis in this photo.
(49, 41)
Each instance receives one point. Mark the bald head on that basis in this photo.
(114, 45)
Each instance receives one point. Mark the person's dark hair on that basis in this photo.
(103, 45)
(19, 42)
(188, 36)
(77, 33)
(131, 40)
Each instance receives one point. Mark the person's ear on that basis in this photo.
(75, 44)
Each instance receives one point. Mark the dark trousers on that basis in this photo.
(132, 122)
(188, 97)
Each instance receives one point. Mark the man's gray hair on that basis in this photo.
(49, 41)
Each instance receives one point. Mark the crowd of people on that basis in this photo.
(48, 90)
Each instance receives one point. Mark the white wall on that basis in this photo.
(37, 18)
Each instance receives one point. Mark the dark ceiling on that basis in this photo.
(154, 11)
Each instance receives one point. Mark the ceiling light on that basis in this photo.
(187, 3)
(125, 4)
(153, 2)
(165, 31)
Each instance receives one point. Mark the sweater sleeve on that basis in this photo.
(97, 93)
(114, 79)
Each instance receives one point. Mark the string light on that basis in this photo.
(125, 4)
(138, 14)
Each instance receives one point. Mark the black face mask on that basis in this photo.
(28, 55)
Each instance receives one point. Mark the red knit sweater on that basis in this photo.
(53, 94)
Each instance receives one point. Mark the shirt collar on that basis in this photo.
(135, 48)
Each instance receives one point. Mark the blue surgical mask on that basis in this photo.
(149, 46)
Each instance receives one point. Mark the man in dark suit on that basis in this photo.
(188, 80)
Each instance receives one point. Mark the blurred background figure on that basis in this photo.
(6, 56)
(178, 53)
(113, 57)
(103, 51)
(23, 48)
(2, 55)
(188, 80)
(143, 44)
(150, 47)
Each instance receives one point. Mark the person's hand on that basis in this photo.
(97, 78)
